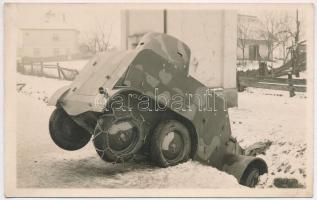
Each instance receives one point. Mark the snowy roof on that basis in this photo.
(253, 26)
(243, 17)
(49, 26)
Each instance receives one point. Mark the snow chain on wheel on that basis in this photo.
(118, 137)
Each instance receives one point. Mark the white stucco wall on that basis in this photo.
(42, 39)
(202, 32)
(145, 21)
(211, 35)
(140, 21)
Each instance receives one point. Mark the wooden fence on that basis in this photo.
(47, 70)
(271, 83)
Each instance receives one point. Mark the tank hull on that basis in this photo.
(158, 71)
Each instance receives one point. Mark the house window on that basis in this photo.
(254, 52)
(55, 37)
(20, 51)
(56, 51)
(36, 52)
(67, 51)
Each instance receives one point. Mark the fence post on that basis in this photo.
(42, 73)
(31, 67)
(22, 67)
(290, 84)
(58, 70)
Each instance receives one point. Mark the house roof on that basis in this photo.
(255, 41)
(48, 26)
(247, 17)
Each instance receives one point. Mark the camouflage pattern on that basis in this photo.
(159, 66)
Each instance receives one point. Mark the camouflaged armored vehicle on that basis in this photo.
(144, 101)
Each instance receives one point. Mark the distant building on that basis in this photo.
(255, 46)
(48, 41)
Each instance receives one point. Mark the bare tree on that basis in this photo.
(98, 39)
(243, 36)
(278, 31)
(269, 33)
(286, 34)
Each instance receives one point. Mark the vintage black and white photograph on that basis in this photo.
(158, 100)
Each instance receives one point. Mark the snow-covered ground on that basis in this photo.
(253, 65)
(262, 115)
(39, 88)
(269, 115)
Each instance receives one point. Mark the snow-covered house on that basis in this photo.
(250, 44)
(48, 40)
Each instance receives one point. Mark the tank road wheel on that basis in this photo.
(251, 177)
(170, 143)
(65, 132)
(117, 139)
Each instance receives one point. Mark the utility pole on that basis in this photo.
(297, 28)
(165, 20)
(296, 70)
(294, 56)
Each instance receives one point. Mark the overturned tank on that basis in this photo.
(144, 101)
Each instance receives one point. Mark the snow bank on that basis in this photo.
(254, 65)
(191, 174)
(271, 115)
(39, 88)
